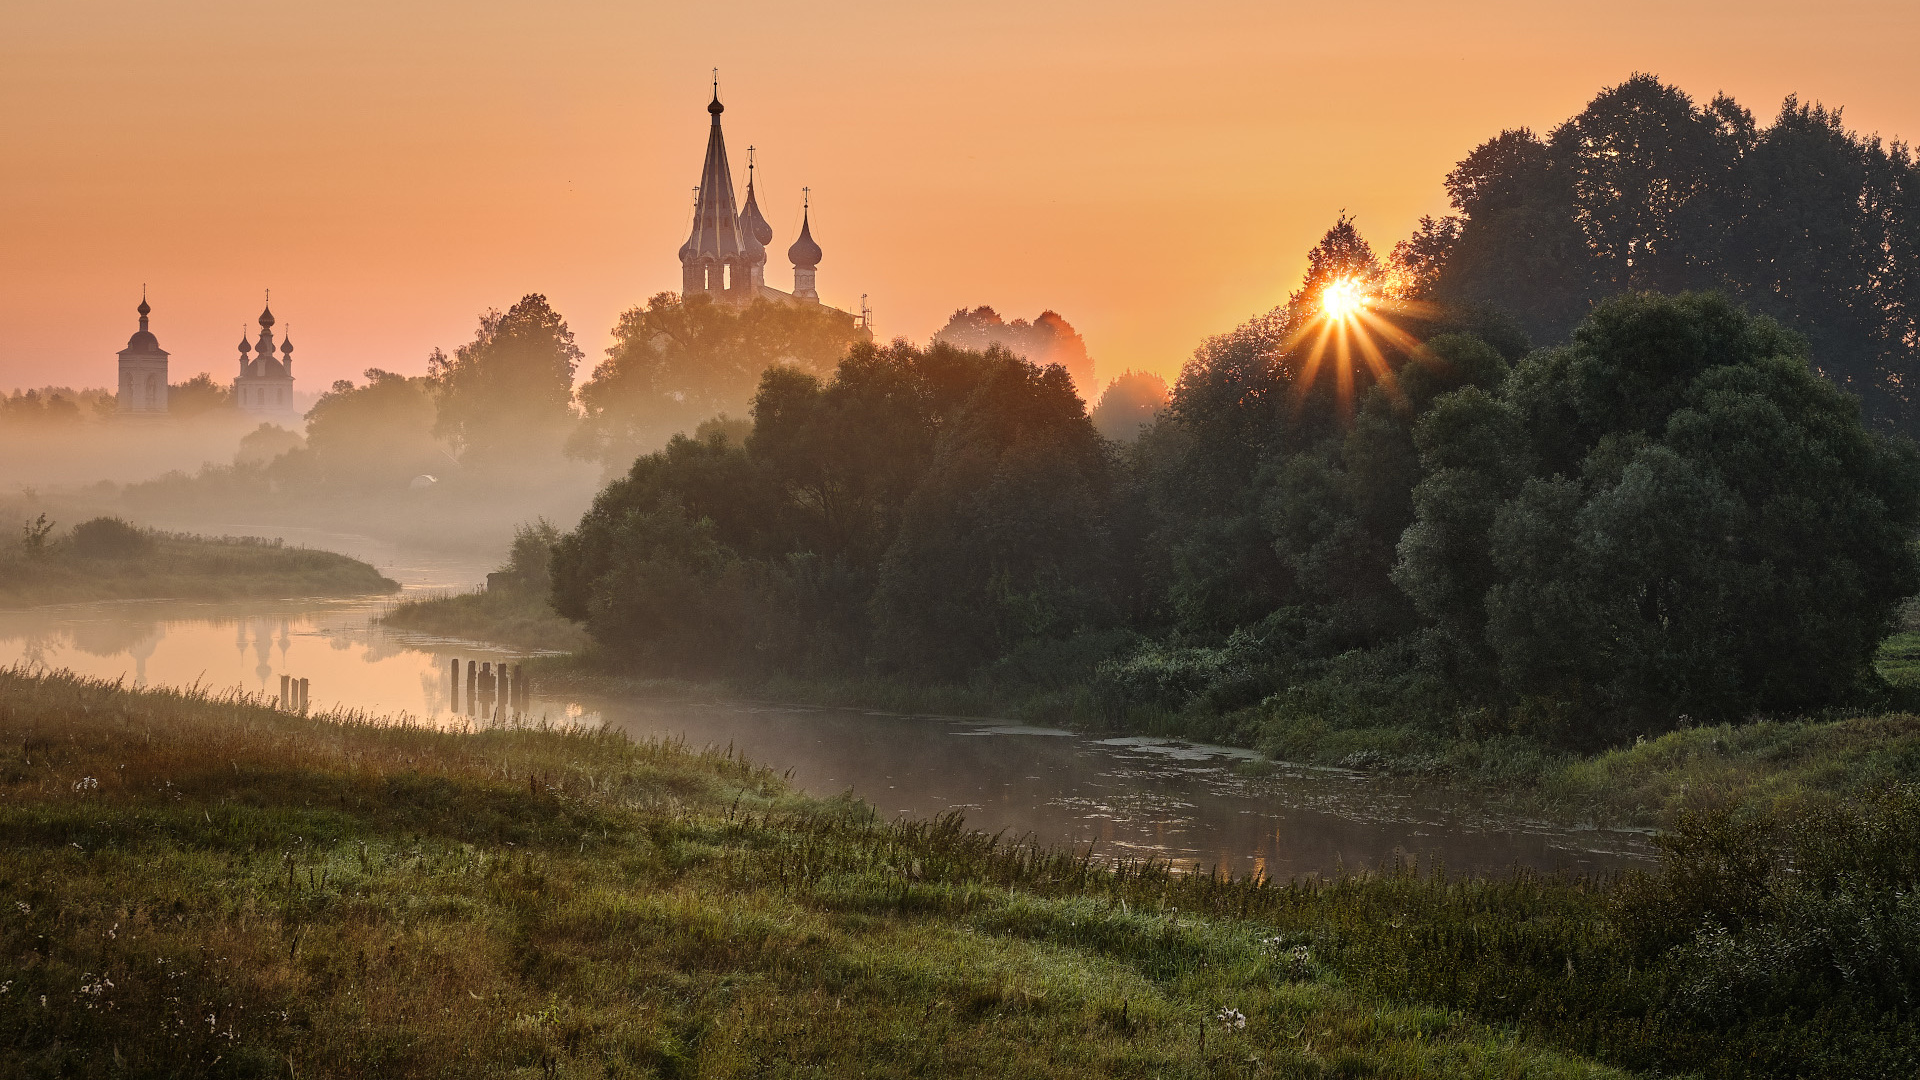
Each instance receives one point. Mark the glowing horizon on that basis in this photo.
(1154, 177)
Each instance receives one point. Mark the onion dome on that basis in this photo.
(715, 107)
(286, 346)
(753, 224)
(686, 251)
(245, 345)
(266, 317)
(143, 343)
(804, 254)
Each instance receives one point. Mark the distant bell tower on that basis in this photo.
(805, 254)
(143, 369)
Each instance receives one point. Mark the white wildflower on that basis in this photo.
(1232, 1019)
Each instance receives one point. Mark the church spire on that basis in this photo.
(715, 258)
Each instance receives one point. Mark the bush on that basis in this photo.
(110, 538)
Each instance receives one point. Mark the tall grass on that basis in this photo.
(197, 885)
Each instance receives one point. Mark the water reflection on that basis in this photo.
(1124, 796)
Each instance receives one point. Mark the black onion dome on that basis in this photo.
(245, 345)
(715, 107)
(286, 346)
(143, 309)
(266, 317)
(804, 254)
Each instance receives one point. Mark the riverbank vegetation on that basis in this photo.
(512, 609)
(109, 559)
(205, 887)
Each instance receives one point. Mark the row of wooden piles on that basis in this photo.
(493, 691)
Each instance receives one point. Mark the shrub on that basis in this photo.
(110, 538)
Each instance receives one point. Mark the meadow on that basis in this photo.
(119, 562)
(198, 885)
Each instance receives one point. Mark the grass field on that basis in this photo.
(197, 886)
(174, 566)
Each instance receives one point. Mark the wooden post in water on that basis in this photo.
(520, 688)
(470, 679)
(486, 691)
(455, 683)
(284, 679)
(303, 697)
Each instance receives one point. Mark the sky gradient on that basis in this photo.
(1155, 173)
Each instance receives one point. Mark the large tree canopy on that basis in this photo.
(1803, 220)
(1671, 516)
(675, 362)
(508, 393)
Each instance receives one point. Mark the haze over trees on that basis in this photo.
(1129, 404)
(1048, 339)
(677, 362)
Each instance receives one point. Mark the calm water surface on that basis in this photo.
(1128, 796)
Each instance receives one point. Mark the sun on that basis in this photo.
(1343, 299)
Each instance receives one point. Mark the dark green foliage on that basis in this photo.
(1802, 220)
(1674, 515)
(110, 538)
(927, 509)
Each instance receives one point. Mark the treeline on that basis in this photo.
(1803, 220)
(1399, 515)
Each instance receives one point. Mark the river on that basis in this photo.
(1195, 804)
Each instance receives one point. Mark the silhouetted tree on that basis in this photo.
(677, 362)
(1802, 220)
(505, 399)
(1048, 339)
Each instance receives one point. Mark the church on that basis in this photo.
(265, 383)
(725, 257)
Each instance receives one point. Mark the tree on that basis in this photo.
(1129, 404)
(375, 437)
(199, 396)
(1048, 339)
(1673, 515)
(505, 399)
(923, 509)
(676, 362)
(1801, 220)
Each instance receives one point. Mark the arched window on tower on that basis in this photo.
(726, 276)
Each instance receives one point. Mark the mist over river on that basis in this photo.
(1125, 796)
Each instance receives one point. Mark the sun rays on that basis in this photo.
(1351, 317)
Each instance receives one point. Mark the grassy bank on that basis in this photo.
(173, 566)
(505, 616)
(204, 887)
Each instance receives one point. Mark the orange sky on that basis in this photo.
(1155, 172)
